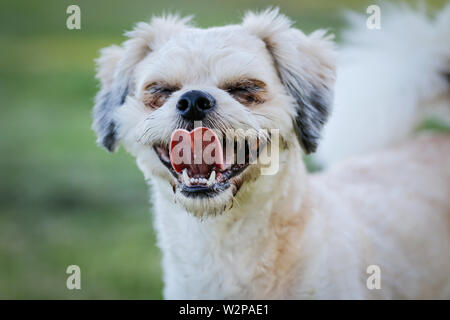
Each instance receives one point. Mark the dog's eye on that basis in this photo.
(156, 95)
(248, 92)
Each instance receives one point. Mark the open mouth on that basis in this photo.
(202, 164)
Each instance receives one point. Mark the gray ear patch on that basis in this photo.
(313, 109)
(104, 125)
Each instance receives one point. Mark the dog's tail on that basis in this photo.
(388, 81)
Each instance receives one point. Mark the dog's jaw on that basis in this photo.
(209, 189)
(221, 197)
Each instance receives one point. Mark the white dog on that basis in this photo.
(229, 232)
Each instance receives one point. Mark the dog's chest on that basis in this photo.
(211, 260)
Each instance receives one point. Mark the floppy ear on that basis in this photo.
(306, 67)
(111, 95)
(115, 68)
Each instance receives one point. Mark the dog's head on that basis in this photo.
(259, 75)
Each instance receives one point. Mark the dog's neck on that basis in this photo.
(215, 257)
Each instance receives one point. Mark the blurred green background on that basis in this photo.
(63, 200)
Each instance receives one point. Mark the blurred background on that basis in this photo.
(63, 200)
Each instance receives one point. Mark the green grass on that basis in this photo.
(63, 200)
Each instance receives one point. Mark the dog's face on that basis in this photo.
(261, 74)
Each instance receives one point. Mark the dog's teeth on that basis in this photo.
(212, 178)
(186, 177)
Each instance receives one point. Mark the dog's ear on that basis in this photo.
(115, 68)
(306, 67)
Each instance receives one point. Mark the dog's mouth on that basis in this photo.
(203, 165)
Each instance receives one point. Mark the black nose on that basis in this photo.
(194, 105)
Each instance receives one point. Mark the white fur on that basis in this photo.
(294, 235)
(384, 77)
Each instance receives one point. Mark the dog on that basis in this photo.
(289, 235)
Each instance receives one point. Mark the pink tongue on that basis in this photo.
(199, 151)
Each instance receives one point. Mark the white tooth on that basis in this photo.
(192, 180)
(212, 178)
(204, 180)
(186, 177)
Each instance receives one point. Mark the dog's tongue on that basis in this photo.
(200, 151)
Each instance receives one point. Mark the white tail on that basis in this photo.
(387, 81)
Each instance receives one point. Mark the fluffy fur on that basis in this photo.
(289, 235)
(384, 77)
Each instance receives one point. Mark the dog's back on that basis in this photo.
(396, 198)
(399, 204)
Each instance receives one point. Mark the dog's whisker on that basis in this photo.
(263, 115)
